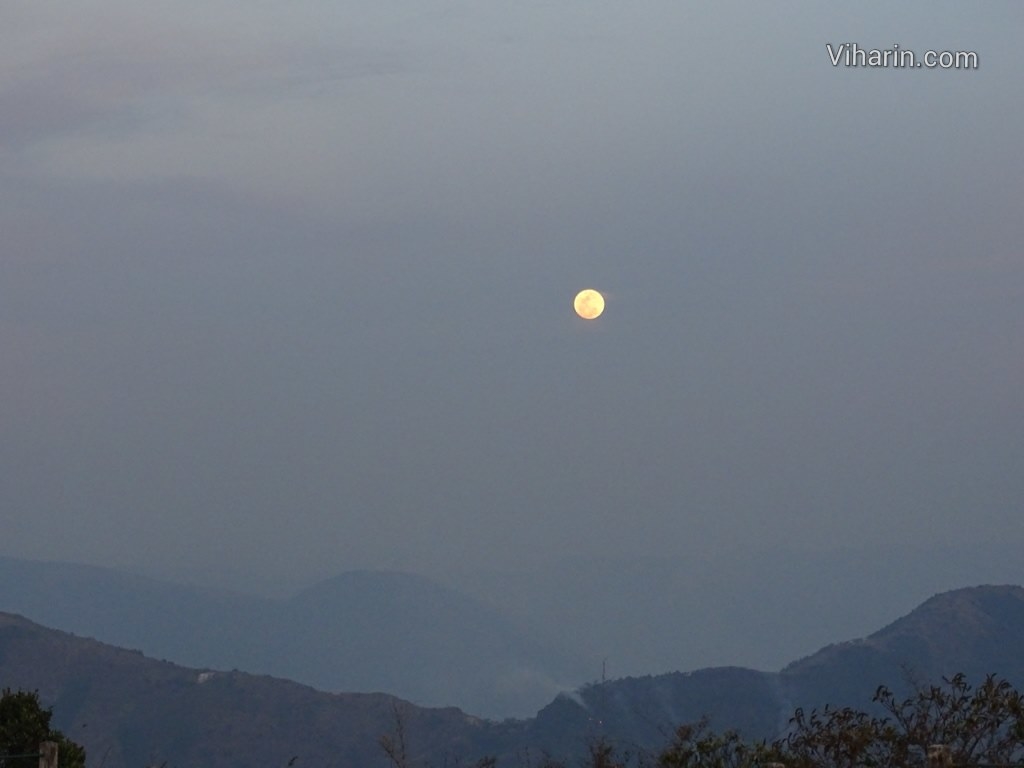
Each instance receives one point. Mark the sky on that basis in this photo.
(286, 289)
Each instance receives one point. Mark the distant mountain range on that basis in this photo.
(361, 631)
(977, 631)
(754, 608)
(502, 643)
(129, 710)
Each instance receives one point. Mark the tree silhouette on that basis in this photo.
(25, 724)
(978, 725)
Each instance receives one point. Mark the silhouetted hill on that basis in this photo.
(642, 712)
(125, 609)
(361, 631)
(762, 609)
(128, 710)
(135, 710)
(977, 630)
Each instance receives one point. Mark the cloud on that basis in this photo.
(110, 91)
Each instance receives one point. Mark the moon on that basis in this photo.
(589, 304)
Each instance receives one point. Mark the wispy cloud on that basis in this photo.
(112, 91)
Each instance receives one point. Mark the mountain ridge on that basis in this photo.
(360, 630)
(129, 708)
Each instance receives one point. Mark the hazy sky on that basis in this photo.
(285, 289)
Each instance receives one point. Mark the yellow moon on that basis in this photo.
(589, 304)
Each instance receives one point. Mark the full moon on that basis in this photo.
(589, 304)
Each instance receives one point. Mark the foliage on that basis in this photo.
(25, 723)
(696, 746)
(978, 725)
(837, 738)
(602, 754)
(393, 745)
(982, 725)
